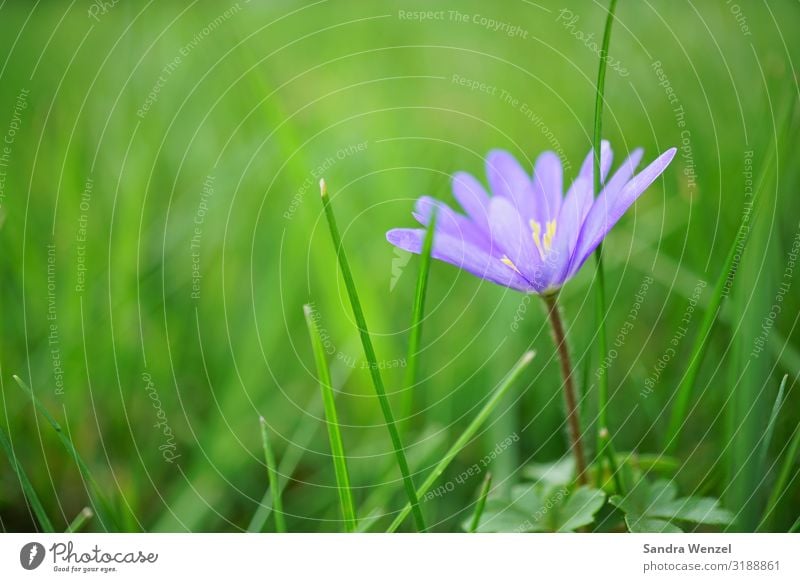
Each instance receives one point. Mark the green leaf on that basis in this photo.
(647, 505)
(579, 509)
(560, 472)
(650, 525)
(500, 516)
(698, 510)
(537, 507)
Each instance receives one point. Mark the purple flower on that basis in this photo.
(528, 235)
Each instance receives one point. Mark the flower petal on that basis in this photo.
(448, 220)
(461, 253)
(573, 213)
(473, 198)
(512, 236)
(508, 179)
(548, 187)
(606, 156)
(568, 226)
(609, 208)
(623, 174)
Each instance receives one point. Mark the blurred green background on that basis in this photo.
(161, 230)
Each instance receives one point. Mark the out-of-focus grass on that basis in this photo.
(252, 110)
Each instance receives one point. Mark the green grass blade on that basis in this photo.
(334, 432)
(369, 353)
(416, 319)
(80, 520)
(291, 458)
(721, 290)
(685, 387)
(701, 342)
(99, 504)
(272, 475)
(778, 490)
(795, 526)
(27, 487)
(467, 435)
(766, 440)
(424, 452)
(608, 451)
(481, 504)
(299, 441)
(600, 286)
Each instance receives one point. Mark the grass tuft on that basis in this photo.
(465, 437)
(99, 504)
(372, 361)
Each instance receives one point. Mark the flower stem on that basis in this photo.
(570, 397)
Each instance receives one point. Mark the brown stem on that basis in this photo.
(573, 416)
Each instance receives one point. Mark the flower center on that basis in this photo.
(543, 244)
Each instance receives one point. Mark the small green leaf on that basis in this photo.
(579, 508)
(698, 510)
(534, 508)
(501, 516)
(650, 525)
(647, 505)
(560, 472)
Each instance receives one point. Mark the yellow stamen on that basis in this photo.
(536, 229)
(548, 237)
(543, 245)
(509, 263)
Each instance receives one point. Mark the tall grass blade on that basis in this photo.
(778, 490)
(99, 504)
(80, 520)
(332, 418)
(770, 430)
(723, 287)
(467, 435)
(795, 526)
(27, 487)
(481, 504)
(701, 341)
(416, 320)
(600, 285)
(297, 445)
(369, 353)
(272, 475)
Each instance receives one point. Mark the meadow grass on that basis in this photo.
(280, 94)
